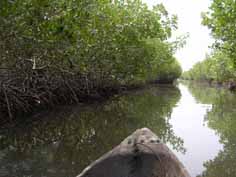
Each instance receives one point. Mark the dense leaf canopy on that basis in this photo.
(120, 39)
(220, 66)
(216, 67)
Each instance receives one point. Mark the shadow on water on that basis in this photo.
(222, 119)
(61, 143)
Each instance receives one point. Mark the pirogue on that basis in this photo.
(142, 154)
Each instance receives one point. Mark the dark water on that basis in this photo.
(198, 123)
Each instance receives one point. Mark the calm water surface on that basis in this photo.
(197, 122)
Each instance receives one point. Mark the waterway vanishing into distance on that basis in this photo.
(197, 122)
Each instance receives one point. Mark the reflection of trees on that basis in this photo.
(66, 140)
(223, 165)
(202, 92)
(221, 118)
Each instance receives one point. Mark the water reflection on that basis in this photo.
(200, 141)
(63, 142)
(222, 119)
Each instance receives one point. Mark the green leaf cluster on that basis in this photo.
(119, 40)
(217, 67)
(221, 20)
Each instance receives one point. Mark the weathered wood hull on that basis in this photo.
(139, 155)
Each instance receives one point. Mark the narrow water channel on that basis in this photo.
(197, 122)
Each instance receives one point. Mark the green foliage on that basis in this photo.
(216, 67)
(221, 19)
(103, 38)
(163, 67)
(221, 65)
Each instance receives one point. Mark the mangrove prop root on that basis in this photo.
(23, 91)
